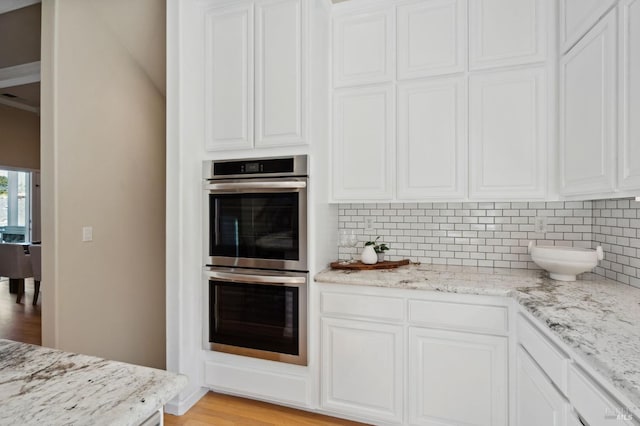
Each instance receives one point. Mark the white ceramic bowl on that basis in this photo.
(564, 263)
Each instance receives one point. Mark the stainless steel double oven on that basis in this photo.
(255, 230)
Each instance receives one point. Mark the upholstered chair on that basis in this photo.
(16, 265)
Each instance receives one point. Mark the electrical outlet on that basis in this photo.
(87, 233)
(540, 225)
(369, 224)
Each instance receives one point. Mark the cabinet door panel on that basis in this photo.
(537, 401)
(553, 361)
(508, 134)
(629, 160)
(280, 72)
(577, 17)
(587, 112)
(593, 403)
(229, 78)
(432, 139)
(457, 378)
(363, 143)
(362, 48)
(507, 32)
(431, 38)
(362, 369)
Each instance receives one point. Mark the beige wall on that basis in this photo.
(103, 165)
(19, 138)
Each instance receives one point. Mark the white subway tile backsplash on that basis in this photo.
(496, 234)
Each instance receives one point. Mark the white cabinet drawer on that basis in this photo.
(459, 316)
(593, 404)
(362, 306)
(549, 357)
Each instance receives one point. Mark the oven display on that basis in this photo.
(252, 167)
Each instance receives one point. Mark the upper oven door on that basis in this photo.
(257, 223)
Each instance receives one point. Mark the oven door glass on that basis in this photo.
(255, 316)
(257, 226)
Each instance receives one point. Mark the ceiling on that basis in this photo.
(20, 35)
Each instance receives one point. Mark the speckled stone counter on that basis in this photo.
(43, 386)
(598, 318)
(449, 279)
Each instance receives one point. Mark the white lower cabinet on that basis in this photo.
(593, 403)
(362, 369)
(392, 356)
(457, 378)
(538, 402)
(414, 359)
(574, 420)
(554, 388)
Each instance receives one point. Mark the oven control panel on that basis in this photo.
(256, 167)
(278, 165)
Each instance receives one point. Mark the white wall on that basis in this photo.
(103, 165)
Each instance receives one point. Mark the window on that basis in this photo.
(15, 206)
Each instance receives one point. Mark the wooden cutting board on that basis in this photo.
(359, 266)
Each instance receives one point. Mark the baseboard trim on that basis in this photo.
(178, 408)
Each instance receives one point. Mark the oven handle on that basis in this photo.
(258, 186)
(255, 279)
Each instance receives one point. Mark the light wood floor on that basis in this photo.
(225, 410)
(19, 322)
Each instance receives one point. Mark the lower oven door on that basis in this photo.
(260, 314)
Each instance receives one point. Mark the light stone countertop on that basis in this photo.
(43, 386)
(598, 318)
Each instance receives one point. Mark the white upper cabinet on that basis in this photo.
(229, 78)
(363, 48)
(588, 112)
(280, 76)
(255, 72)
(507, 32)
(432, 139)
(577, 17)
(432, 38)
(508, 134)
(629, 81)
(363, 143)
(466, 128)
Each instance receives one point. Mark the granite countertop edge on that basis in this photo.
(596, 317)
(40, 385)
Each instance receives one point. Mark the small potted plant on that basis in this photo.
(379, 248)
